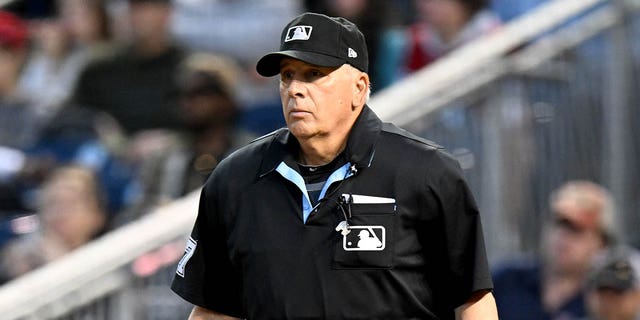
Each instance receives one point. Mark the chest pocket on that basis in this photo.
(370, 242)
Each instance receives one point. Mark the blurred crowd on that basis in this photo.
(111, 108)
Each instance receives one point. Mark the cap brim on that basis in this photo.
(269, 65)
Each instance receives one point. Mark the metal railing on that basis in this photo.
(98, 276)
(550, 97)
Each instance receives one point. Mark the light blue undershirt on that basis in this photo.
(295, 177)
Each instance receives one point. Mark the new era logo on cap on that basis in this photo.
(352, 53)
(298, 33)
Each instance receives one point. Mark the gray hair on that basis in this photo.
(591, 197)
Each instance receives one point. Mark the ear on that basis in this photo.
(360, 90)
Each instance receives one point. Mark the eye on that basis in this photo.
(314, 74)
(286, 75)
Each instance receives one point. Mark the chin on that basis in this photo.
(301, 135)
(300, 131)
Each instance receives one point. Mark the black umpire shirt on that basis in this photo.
(414, 247)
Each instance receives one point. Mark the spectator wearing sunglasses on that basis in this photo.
(581, 224)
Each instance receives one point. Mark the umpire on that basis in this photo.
(339, 215)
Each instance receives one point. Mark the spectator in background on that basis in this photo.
(207, 85)
(136, 85)
(19, 123)
(581, 226)
(613, 290)
(441, 26)
(17, 117)
(52, 68)
(374, 18)
(71, 213)
(65, 35)
(244, 30)
(90, 26)
(32, 143)
(208, 105)
(208, 102)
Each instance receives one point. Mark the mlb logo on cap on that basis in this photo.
(298, 33)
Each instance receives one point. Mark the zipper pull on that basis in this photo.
(343, 228)
(347, 199)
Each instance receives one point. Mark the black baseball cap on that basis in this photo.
(617, 275)
(319, 40)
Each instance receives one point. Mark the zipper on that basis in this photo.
(351, 172)
(343, 226)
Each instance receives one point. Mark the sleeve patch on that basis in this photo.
(188, 253)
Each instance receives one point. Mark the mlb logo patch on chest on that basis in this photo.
(364, 238)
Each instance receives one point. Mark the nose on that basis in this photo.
(296, 89)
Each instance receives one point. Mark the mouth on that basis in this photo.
(298, 113)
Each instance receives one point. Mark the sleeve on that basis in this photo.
(205, 275)
(463, 255)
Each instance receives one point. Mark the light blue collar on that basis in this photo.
(292, 175)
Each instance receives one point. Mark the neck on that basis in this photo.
(321, 149)
(318, 151)
(152, 47)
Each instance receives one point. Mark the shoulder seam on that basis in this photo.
(411, 136)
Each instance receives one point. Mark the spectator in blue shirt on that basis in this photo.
(581, 225)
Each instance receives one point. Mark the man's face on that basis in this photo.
(571, 246)
(317, 101)
(149, 19)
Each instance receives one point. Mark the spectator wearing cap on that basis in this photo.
(580, 226)
(613, 288)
